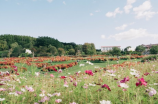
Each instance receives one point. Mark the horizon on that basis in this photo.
(104, 23)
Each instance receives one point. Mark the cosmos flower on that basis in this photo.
(58, 100)
(105, 102)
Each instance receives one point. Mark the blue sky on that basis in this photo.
(102, 22)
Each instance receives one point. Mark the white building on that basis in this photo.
(107, 48)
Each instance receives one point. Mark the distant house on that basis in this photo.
(107, 48)
(147, 47)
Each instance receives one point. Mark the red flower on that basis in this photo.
(125, 80)
(141, 82)
(63, 77)
(89, 72)
(146, 74)
(104, 85)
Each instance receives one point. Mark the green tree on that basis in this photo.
(61, 51)
(3, 45)
(89, 48)
(71, 52)
(14, 45)
(116, 51)
(52, 49)
(154, 50)
(140, 48)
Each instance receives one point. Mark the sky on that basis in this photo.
(102, 22)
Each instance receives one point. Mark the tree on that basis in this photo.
(61, 51)
(126, 49)
(89, 48)
(71, 52)
(52, 49)
(3, 45)
(116, 51)
(154, 50)
(14, 45)
(140, 48)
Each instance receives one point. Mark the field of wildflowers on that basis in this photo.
(130, 82)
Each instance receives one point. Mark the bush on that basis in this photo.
(151, 58)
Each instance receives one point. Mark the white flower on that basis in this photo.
(133, 70)
(112, 75)
(79, 71)
(65, 85)
(2, 99)
(37, 73)
(124, 85)
(81, 65)
(50, 95)
(23, 90)
(155, 83)
(42, 95)
(105, 102)
(91, 84)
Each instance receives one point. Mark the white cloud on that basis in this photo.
(91, 14)
(113, 14)
(133, 34)
(103, 36)
(144, 11)
(121, 27)
(130, 1)
(49, 1)
(64, 2)
(129, 5)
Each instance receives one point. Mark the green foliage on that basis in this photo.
(126, 49)
(61, 51)
(149, 58)
(71, 52)
(140, 48)
(115, 51)
(154, 50)
(17, 51)
(89, 49)
(14, 45)
(3, 45)
(52, 50)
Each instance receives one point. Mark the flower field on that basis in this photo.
(124, 82)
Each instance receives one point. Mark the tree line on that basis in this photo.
(15, 45)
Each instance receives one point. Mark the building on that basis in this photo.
(107, 48)
(147, 47)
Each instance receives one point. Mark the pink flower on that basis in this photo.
(30, 89)
(51, 75)
(89, 72)
(152, 91)
(141, 82)
(59, 71)
(19, 92)
(125, 80)
(111, 71)
(124, 89)
(2, 89)
(44, 99)
(103, 86)
(58, 100)
(75, 84)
